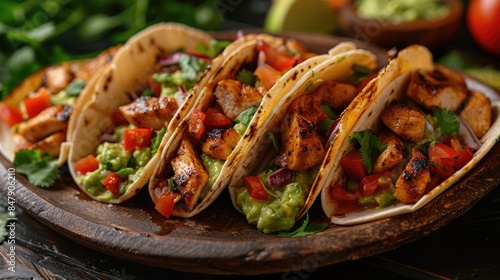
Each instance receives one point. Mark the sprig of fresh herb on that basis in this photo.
(246, 76)
(370, 146)
(447, 121)
(41, 170)
(246, 116)
(304, 229)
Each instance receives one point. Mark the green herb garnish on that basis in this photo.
(370, 146)
(157, 140)
(304, 229)
(75, 87)
(447, 121)
(41, 170)
(246, 116)
(246, 76)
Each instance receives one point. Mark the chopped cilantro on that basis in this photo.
(75, 87)
(246, 76)
(360, 73)
(190, 67)
(41, 170)
(246, 116)
(304, 229)
(370, 146)
(448, 122)
(157, 140)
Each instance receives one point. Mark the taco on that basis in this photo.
(275, 181)
(416, 133)
(39, 112)
(117, 137)
(199, 160)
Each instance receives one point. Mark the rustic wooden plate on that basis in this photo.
(219, 240)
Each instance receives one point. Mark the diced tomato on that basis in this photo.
(196, 126)
(166, 203)
(370, 183)
(443, 151)
(339, 193)
(353, 166)
(443, 159)
(37, 102)
(275, 59)
(112, 182)
(464, 153)
(267, 75)
(87, 164)
(255, 188)
(154, 86)
(118, 119)
(216, 119)
(10, 115)
(136, 138)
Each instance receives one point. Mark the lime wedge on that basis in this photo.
(301, 15)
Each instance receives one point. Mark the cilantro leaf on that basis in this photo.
(370, 146)
(190, 67)
(246, 76)
(447, 120)
(157, 140)
(41, 170)
(213, 49)
(246, 116)
(304, 229)
(75, 87)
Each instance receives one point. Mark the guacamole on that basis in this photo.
(400, 11)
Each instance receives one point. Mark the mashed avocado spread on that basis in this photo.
(400, 11)
(279, 212)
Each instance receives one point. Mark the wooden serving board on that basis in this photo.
(219, 240)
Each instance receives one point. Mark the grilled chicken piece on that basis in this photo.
(406, 122)
(56, 78)
(47, 122)
(50, 145)
(337, 95)
(302, 146)
(150, 112)
(86, 71)
(439, 87)
(477, 113)
(189, 173)
(220, 143)
(235, 97)
(411, 184)
(392, 155)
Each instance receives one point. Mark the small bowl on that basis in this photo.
(434, 34)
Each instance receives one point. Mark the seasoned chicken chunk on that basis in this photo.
(235, 97)
(392, 155)
(438, 87)
(220, 143)
(337, 95)
(302, 147)
(411, 184)
(57, 77)
(477, 113)
(47, 122)
(406, 122)
(189, 173)
(150, 112)
(50, 145)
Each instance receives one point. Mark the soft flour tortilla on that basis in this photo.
(132, 65)
(244, 53)
(34, 82)
(337, 67)
(391, 84)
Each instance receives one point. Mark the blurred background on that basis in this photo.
(36, 33)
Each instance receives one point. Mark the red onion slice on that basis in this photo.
(280, 178)
(170, 59)
(332, 132)
(470, 138)
(181, 96)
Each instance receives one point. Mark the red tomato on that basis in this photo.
(10, 115)
(136, 138)
(196, 126)
(87, 164)
(166, 203)
(118, 119)
(255, 188)
(112, 182)
(464, 153)
(443, 167)
(216, 119)
(267, 75)
(275, 59)
(483, 21)
(154, 86)
(353, 165)
(38, 102)
(370, 183)
(339, 193)
(443, 151)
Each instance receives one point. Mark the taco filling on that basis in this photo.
(213, 133)
(272, 199)
(138, 127)
(422, 141)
